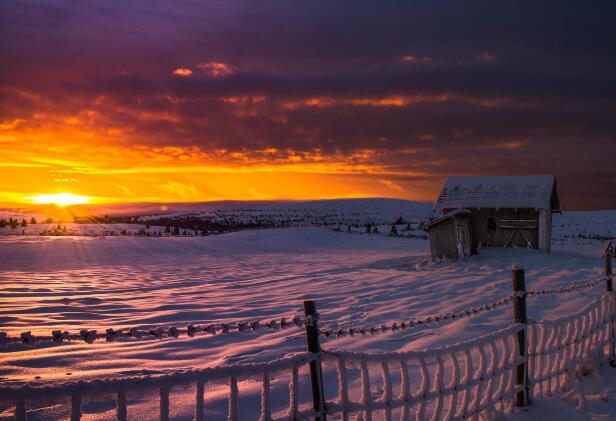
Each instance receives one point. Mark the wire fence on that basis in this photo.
(491, 374)
(159, 332)
(214, 328)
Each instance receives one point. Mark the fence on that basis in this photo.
(494, 373)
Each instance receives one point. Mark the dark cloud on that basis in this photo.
(515, 87)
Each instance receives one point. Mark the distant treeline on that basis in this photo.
(14, 223)
(219, 222)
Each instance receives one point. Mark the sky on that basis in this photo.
(181, 101)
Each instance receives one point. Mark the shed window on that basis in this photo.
(491, 224)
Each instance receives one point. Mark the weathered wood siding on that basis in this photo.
(493, 234)
(445, 236)
(443, 240)
(545, 230)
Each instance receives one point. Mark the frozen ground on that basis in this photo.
(99, 282)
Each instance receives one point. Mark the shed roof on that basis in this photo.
(432, 222)
(533, 191)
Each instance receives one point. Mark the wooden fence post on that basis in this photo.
(121, 412)
(609, 287)
(316, 374)
(522, 398)
(607, 261)
(75, 408)
(20, 411)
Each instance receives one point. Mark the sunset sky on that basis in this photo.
(180, 101)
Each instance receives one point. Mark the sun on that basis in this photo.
(60, 199)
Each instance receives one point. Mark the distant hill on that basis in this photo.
(299, 213)
(369, 205)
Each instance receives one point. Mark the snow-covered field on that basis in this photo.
(77, 282)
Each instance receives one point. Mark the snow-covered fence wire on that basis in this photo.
(459, 381)
(289, 373)
(159, 332)
(555, 347)
(337, 332)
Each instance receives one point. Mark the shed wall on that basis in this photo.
(451, 238)
(489, 227)
(443, 240)
(545, 230)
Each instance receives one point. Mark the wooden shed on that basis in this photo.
(492, 211)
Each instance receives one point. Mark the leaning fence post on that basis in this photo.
(609, 287)
(522, 398)
(316, 374)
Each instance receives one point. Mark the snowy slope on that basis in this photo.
(96, 282)
(589, 224)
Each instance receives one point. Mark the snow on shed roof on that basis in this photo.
(534, 191)
(445, 217)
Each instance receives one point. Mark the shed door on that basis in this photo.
(463, 240)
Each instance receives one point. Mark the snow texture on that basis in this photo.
(359, 280)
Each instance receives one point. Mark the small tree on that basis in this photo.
(32, 221)
(394, 231)
(368, 229)
(375, 230)
(399, 221)
(24, 223)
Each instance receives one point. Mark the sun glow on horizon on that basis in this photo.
(60, 199)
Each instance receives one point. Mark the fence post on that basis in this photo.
(522, 398)
(609, 287)
(75, 408)
(607, 261)
(316, 374)
(20, 411)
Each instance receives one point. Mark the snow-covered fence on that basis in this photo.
(289, 373)
(493, 373)
(458, 381)
(556, 346)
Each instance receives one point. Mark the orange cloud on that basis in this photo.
(243, 100)
(388, 101)
(183, 71)
(217, 68)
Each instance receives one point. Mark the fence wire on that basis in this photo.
(134, 333)
(111, 335)
(467, 380)
(441, 319)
